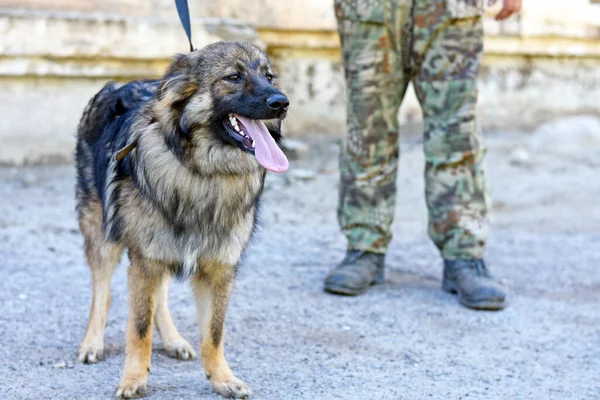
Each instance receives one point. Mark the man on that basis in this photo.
(438, 45)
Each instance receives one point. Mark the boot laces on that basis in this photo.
(479, 267)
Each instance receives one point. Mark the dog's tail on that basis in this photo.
(98, 113)
(113, 101)
(103, 130)
(92, 124)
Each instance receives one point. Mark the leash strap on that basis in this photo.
(119, 155)
(184, 16)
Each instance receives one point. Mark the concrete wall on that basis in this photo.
(55, 54)
(543, 63)
(53, 61)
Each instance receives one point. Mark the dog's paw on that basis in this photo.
(90, 353)
(180, 349)
(131, 388)
(232, 389)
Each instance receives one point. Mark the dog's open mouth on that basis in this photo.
(239, 133)
(254, 138)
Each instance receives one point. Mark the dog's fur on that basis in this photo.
(183, 201)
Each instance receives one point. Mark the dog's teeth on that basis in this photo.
(253, 144)
(237, 128)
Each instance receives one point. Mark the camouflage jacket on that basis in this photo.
(375, 10)
(465, 8)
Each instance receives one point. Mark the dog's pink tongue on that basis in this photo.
(267, 153)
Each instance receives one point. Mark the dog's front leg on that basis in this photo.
(144, 278)
(212, 289)
(175, 345)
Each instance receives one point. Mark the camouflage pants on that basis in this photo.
(385, 45)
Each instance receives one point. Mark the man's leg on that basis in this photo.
(447, 55)
(375, 86)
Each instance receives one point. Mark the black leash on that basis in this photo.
(184, 16)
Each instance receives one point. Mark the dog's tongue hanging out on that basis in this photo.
(267, 153)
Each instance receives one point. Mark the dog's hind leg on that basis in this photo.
(143, 282)
(212, 290)
(175, 345)
(102, 257)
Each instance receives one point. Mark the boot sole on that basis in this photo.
(335, 289)
(484, 305)
(344, 291)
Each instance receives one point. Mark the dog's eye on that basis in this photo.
(233, 77)
(270, 77)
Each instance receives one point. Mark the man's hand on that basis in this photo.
(509, 8)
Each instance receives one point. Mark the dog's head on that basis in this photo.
(227, 90)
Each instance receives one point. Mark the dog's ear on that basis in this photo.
(179, 83)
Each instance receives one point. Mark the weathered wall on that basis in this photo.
(53, 61)
(55, 54)
(543, 63)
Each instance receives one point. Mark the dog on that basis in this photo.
(172, 170)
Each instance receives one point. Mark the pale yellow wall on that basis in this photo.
(544, 62)
(54, 54)
(160, 8)
(53, 59)
(547, 19)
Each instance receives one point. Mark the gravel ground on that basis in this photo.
(405, 339)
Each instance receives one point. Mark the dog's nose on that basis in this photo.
(278, 102)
